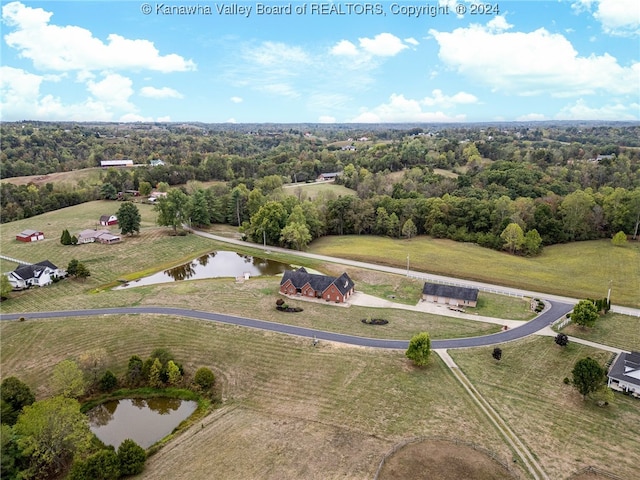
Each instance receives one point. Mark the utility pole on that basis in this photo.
(609, 292)
(407, 264)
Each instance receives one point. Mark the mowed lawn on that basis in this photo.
(291, 410)
(312, 191)
(579, 269)
(153, 248)
(564, 432)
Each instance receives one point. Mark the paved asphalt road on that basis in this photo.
(550, 315)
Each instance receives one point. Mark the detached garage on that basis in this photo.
(450, 295)
(30, 236)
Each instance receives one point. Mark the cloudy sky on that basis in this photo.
(403, 61)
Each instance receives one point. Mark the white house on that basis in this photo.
(38, 274)
(116, 163)
(624, 375)
(102, 236)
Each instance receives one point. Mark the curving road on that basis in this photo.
(547, 317)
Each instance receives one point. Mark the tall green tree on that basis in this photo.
(129, 218)
(131, 457)
(68, 380)
(173, 210)
(585, 313)
(102, 465)
(144, 188)
(419, 349)
(65, 238)
(409, 229)
(200, 209)
(16, 394)
(268, 223)
(5, 286)
(588, 376)
(532, 243)
(513, 237)
(50, 432)
(108, 192)
(295, 235)
(174, 376)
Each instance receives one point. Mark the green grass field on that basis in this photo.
(579, 269)
(620, 331)
(563, 431)
(372, 398)
(88, 176)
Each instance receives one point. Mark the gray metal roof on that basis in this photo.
(450, 291)
(626, 363)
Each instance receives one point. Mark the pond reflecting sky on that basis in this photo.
(214, 265)
(143, 421)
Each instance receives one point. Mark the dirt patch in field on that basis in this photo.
(442, 460)
(590, 476)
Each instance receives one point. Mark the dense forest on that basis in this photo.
(554, 182)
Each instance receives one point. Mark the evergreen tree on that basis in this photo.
(65, 238)
(129, 218)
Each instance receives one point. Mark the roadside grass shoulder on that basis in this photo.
(564, 432)
(567, 269)
(613, 329)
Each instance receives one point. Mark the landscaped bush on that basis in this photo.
(204, 378)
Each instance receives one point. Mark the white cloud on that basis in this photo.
(65, 48)
(532, 63)
(438, 98)
(236, 99)
(134, 117)
(531, 117)
(412, 41)
(498, 24)
(618, 17)
(280, 89)
(113, 91)
(277, 55)
(164, 92)
(581, 111)
(327, 119)
(383, 44)
(166, 118)
(21, 98)
(345, 48)
(401, 109)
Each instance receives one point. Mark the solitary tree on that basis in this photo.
(419, 349)
(173, 210)
(72, 267)
(619, 239)
(588, 376)
(204, 378)
(128, 218)
(82, 271)
(585, 313)
(497, 353)
(562, 339)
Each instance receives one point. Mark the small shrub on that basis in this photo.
(566, 381)
(279, 302)
(204, 378)
(131, 457)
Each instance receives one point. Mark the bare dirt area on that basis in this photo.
(238, 443)
(443, 460)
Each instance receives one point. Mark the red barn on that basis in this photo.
(107, 220)
(30, 236)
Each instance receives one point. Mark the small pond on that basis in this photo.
(145, 421)
(214, 265)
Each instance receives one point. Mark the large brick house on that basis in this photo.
(332, 289)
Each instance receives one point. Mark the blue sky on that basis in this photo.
(328, 62)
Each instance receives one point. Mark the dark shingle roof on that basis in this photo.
(450, 291)
(626, 363)
(26, 272)
(300, 277)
